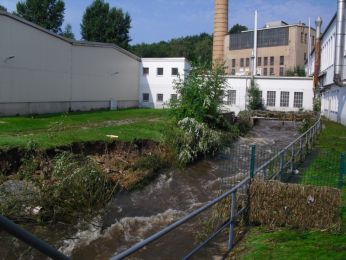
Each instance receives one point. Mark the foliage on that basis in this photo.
(244, 122)
(237, 28)
(296, 72)
(192, 139)
(46, 13)
(77, 187)
(104, 24)
(3, 8)
(254, 96)
(196, 48)
(67, 33)
(317, 104)
(307, 123)
(199, 97)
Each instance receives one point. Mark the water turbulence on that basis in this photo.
(131, 217)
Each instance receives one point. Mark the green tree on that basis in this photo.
(254, 96)
(67, 33)
(104, 24)
(3, 8)
(46, 13)
(237, 28)
(296, 72)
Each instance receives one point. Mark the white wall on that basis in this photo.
(277, 84)
(154, 84)
(333, 104)
(48, 73)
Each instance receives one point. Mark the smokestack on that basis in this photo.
(340, 44)
(317, 51)
(220, 29)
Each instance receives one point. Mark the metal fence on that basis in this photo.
(257, 164)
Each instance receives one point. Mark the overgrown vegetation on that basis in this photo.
(254, 96)
(296, 72)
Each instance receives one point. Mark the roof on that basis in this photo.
(283, 26)
(70, 41)
(169, 59)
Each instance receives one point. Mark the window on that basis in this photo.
(282, 71)
(241, 62)
(159, 98)
(231, 96)
(271, 97)
(145, 71)
(313, 40)
(305, 38)
(145, 97)
(233, 72)
(159, 71)
(271, 71)
(247, 62)
(265, 61)
(174, 96)
(233, 63)
(259, 61)
(265, 72)
(175, 72)
(284, 98)
(271, 60)
(282, 60)
(298, 99)
(305, 56)
(302, 37)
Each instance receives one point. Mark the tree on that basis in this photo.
(46, 13)
(254, 95)
(67, 33)
(103, 24)
(3, 8)
(237, 28)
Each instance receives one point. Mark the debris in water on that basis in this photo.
(113, 136)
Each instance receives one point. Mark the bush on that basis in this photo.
(254, 95)
(200, 96)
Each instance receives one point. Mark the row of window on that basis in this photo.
(159, 97)
(259, 61)
(304, 38)
(265, 71)
(231, 96)
(160, 71)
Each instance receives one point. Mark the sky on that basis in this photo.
(162, 20)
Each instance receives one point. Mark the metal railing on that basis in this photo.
(273, 168)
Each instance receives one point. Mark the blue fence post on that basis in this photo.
(232, 220)
(252, 161)
(342, 171)
(282, 164)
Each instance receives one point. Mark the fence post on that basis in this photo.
(282, 163)
(342, 171)
(292, 158)
(232, 219)
(252, 161)
(301, 149)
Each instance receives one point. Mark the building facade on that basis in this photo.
(333, 96)
(157, 79)
(280, 48)
(278, 93)
(42, 72)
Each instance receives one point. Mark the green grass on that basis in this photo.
(262, 243)
(63, 129)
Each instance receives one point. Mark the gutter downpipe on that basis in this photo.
(317, 54)
(340, 44)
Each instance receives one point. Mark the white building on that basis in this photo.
(42, 72)
(278, 93)
(157, 80)
(333, 93)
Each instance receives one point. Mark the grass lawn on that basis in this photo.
(62, 129)
(261, 243)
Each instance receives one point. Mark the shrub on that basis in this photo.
(254, 95)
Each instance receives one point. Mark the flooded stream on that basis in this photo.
(131, 217)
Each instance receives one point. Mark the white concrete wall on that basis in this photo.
(277, 84)
(47, 73)
(333, 104)
(154, 84)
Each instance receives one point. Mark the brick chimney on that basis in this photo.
(220, 29)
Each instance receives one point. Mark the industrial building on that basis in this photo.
(42, 72)
(158, 76)
(327, 64)
(280, 47)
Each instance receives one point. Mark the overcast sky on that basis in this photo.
(156, 20)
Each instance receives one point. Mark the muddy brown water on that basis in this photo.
(131, 217)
